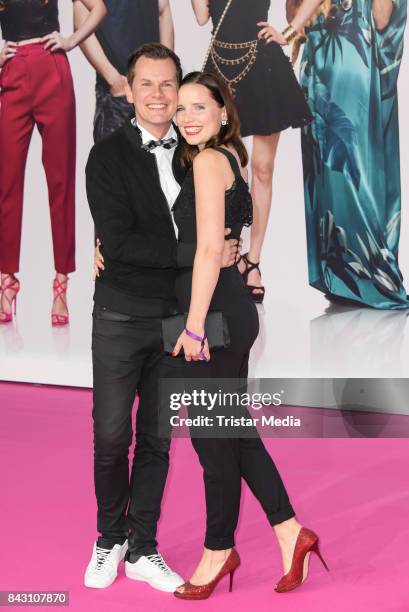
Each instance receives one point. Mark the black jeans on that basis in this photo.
(226, 461)
(128, 357)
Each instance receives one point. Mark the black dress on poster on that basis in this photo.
(267, 94)
(133, 23)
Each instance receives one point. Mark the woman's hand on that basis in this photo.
(118, 86)
(191, 348)
(98, 260)
(270, 34)
(8, 51)
(56, 42)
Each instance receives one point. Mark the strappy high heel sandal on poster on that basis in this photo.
(9, 289)
(203, 591)
(60, 293)
(307, 542)
(242, 258)
(257, 292)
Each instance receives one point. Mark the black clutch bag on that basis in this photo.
(215, 326)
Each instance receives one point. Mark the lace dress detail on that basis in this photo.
(239, 205)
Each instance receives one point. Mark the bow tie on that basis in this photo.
(166, 143)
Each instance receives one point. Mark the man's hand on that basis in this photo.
(231, 251)
(98, 260)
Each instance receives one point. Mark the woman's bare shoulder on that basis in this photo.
(210, 158)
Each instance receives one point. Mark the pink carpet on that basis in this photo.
(354, 493)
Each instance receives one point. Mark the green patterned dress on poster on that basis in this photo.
(351, 162)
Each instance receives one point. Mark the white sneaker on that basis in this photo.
(153, 569)
(103, 567)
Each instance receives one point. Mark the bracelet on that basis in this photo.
(290, 34)
(199, 339)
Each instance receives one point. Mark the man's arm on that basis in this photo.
(94, 53)
(114, 221)
(166, 29)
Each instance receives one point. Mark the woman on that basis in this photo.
(214, 196)
(37, 89)
(351, 150)
(267, 95)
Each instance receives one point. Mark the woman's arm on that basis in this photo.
(304, 14)
(94, 53)
(166, 30)
(382, 11)
(291, 8)
(97, 12)
(201, 10)
(210, 187)
(211, 180)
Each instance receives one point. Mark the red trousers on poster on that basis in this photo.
(37, 89)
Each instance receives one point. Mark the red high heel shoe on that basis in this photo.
(10, 284)
(204, 591)
(60, 293)
(307, 542)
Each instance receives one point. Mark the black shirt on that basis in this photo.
(133, 221)
(24, 19)
(127, 25)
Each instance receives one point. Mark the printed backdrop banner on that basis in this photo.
(302, 335)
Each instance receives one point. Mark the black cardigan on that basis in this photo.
(133, 221)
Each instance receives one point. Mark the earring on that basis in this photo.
(225, 122)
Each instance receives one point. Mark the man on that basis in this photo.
(127, 25)
(131, 187)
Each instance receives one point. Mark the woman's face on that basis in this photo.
(198, 115)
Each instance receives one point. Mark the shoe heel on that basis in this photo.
(15, 305)
(231, 581)
(315, 548)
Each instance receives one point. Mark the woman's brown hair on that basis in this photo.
(3, 4)
(228, 134)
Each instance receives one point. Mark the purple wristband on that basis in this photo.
(199, 339)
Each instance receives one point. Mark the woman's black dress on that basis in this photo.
(230, 295)
(226, 460)
(268, 97)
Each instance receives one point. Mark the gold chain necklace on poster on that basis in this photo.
(249, 57)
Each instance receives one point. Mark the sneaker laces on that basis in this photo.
(159, 561)
(102, 555)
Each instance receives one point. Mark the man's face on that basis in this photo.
(154, 94)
